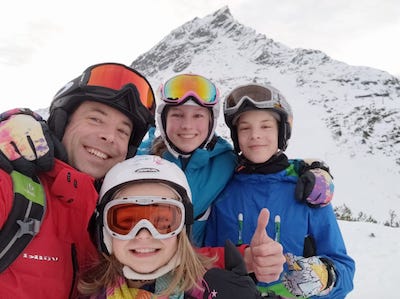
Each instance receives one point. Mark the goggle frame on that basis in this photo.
(144, 222)
(117, 77)
(267, 98)
(186, 86)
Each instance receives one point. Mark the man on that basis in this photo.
(100, 119)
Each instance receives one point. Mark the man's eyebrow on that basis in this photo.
(128, 123)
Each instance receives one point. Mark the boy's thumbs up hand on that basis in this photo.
(265, 256)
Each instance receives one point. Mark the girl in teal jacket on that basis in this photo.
(186, 115)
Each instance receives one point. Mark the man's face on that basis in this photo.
(96, 138)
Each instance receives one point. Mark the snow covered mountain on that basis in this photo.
(347, 115)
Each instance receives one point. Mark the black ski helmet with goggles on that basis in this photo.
(253, 97)
(112, 84)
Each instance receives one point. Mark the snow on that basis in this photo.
(376, 251)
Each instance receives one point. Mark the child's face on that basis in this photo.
(257, 135)
(143, 253)
(187, 126)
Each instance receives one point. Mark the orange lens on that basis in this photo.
(116, 76)
(122, 218)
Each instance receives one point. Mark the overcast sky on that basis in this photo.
(44, 44)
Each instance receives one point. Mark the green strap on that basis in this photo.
(28, 188)
(24, 220)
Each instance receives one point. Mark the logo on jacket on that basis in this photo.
(39, 257)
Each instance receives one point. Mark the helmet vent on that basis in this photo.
(147, 169)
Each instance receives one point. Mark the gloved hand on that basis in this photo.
(231, 283)
(311, 276)
(315, 185)
(26, 144)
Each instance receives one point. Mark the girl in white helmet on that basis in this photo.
(143, 224)
(143, 218)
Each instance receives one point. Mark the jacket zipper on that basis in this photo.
(75, 269)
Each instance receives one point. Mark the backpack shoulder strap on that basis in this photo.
(25, 218)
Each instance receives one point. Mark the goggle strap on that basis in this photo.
(188, 213)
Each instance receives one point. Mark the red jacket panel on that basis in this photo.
(219, 254)
(47, 266)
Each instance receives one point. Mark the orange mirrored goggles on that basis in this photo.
(116, 76)
(162, 217)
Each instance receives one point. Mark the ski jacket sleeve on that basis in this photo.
(6, 196)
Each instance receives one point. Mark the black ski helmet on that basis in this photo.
(112, 84)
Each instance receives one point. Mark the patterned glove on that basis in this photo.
(311, 276)
(231, 283)
(26, 144)
(315, 185)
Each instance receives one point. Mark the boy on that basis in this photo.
(260, 120)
